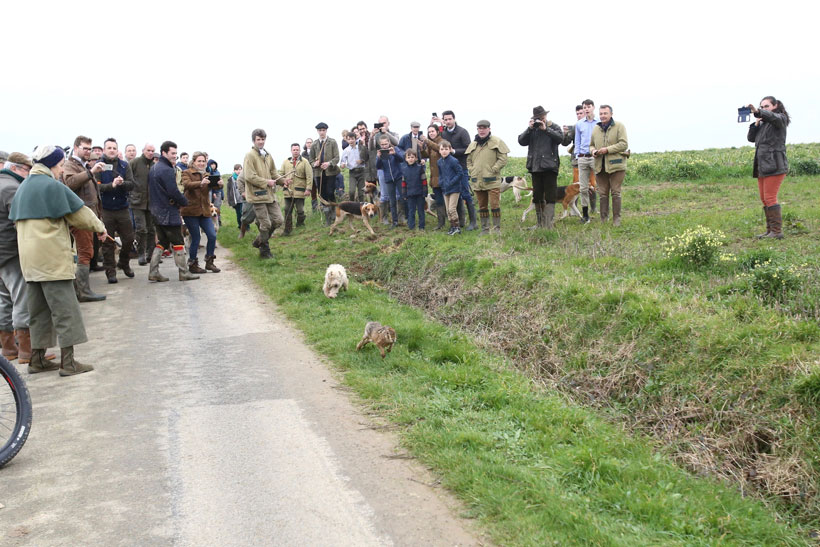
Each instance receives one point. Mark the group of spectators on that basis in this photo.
(443, 160)
(56, 209)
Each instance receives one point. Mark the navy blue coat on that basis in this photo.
(165, 197)
(450, 175)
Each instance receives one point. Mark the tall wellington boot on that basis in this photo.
(616, 210)
(441, 215)
(496, 216)
(84, 292)
(182, 264)
(9, 345)
(471, 212)
(153, 271)
(768, 216)
(776, 220)
(549, 215)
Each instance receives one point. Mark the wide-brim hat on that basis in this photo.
(539, 111)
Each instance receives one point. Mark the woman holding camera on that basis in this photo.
(197, 214)
(768, 133)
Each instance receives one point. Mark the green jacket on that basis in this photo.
(614, 139)
(331, 155)
(258, 170)
(302, 176)
(484, 163)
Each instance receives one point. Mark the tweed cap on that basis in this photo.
(321, 125)
(19, 158)
(482, 123)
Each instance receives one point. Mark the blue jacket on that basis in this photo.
(165, 197)
(115, 198)
(450, 175)
(414, 180)
(391, 166)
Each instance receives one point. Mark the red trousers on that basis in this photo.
(769, 187)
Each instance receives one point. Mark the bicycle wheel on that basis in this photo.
(15, 412)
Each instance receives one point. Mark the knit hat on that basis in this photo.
(19, 158)
(539, 111)
(48, 155)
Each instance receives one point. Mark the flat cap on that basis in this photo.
(19, 158)
(482, 123)
(415, 124)
(321, 125)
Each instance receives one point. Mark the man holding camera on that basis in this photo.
(115, 181)
(542, 138)
(382, 127)
(608, 145)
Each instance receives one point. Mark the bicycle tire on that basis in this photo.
(15, 412)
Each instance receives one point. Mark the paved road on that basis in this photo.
(208, 422)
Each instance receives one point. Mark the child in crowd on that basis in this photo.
(450, 175)
(354, 159)
(414, 188)
(389, 161)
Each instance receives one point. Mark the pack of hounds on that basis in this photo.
(381, 336)
(367, 210)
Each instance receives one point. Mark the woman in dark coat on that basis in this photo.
(768, 133)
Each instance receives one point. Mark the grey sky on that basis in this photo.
(205, 77)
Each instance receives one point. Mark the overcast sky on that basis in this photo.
(206, 76)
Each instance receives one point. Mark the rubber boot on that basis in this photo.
(193, 266)
(593, 198)
(549, 215)
(182, 264)
(484, 215)
(604, 208)
(539, 216)
(776, 220)
(385, 214)
(9, 345)
(84, 292)
(329, 213)
(123, 264)
(768, 216)
(584, 215)
(460, 211)
(153, 272)
(261, 237)
(142, 239)
(69, 366)
(496, 216)
(209, 264)
(441, 215)
(300, 219)
(471, 210)
(288, 225)
(24, 347)
(40, 362)
(401, 209)
(264, 251)
(616, 210)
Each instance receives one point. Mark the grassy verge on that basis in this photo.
(633, 364)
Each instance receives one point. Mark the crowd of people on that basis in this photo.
(62, 208)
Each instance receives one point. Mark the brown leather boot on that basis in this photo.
(242, 229)
(776, 222)
(209, 264)
(193, 267)
(24, 345)
(9, 345)
(768, 223)
(616, 210)
(69, 366)
(40, 362)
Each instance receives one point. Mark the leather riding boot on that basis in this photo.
(142, 239)
(604, 208)
(616, 210)
(209, 264)
(496, 216)
(182, 265)
(471, 211)
(84, 292)
(460, 211)
(441, 216)
(24, 347)
(124, 266)
(768, 216)
(242, 229)
(70, 366)
(9, 345)
(549, 215)
(261, 237)
(288, 225)
(193, 266)
(776, 220)
(41, 362)
(153, 272)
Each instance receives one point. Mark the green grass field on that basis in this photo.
(581, 385)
